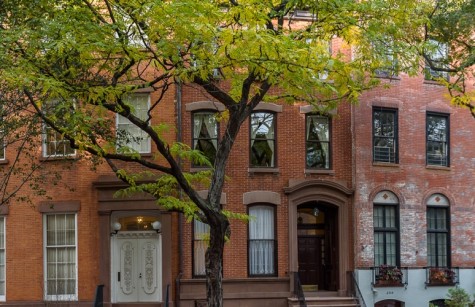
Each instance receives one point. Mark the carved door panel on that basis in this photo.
(136, 270)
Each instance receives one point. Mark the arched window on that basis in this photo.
(262, 247)
(386, 229)
(438, 231)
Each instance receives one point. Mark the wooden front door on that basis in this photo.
(310, 260)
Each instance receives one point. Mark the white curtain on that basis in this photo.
(61, 254)
(209, 122)
(200, 244)
(261, 240)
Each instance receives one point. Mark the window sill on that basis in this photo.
(386, 164)
(439, 168)
(58, 158)
(263, 170)
(320, 172)
(4, 161)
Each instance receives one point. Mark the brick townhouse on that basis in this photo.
(337, 201)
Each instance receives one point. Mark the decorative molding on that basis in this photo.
(253, 197)
(312, 109)
(268, 106)
(50, 206)
(205, 105)
(312, 183)
(204, 194)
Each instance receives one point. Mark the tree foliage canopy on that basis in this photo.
(70, 64)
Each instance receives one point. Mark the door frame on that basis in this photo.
(335, 194)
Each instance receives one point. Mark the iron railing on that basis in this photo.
(355, 289)
(298, 290)
(442, 276)
(99, 298)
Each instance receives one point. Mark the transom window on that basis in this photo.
(60, 257)
(200, 244)
(318, 142)
(262, 244)
(438, 231)
(437, 143)
(386, 229)
(262, 139)
(205, 134)
(385, 135)
(129, 136)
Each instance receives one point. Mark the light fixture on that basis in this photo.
(157, 226)
(116, 226)
(316, 211)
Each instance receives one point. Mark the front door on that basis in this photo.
(136, 267)
(317, 246)
(310, 260)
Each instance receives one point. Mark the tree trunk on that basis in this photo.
(214, 260)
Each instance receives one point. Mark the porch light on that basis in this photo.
(157, 226)
(116, 226)
(315, 212)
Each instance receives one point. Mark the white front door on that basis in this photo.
(136, 267)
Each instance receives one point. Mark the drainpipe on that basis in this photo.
(179, 138)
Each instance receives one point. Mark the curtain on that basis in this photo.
(201, 234)
(318, 141)
(129, 134)
(261, 240)
(61, 254)
(262, 139)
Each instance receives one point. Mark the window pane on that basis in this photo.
(262, 139)
(384, 136)
(54, 142)
(437, 237)
(386, 233)
(261, 240)
(437, 140)
(60, 251)
(130, 135)
(205, 134)
(200, 244)
(318, 142)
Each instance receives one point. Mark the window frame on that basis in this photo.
(385, 230)
(329, 142)
(59, 297)
(133, 144)
(194, 240)
(447, 134)
(438, 55)
(274, 240)
(395, 137)
(388, 55)
(193, 139)
(274, 139)
(447, 233)
(58, 138)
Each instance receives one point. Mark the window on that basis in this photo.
(437, 142)
(2, 259)
(438, 231)
(128, 134)
(438, 53)
(54, 143)
(205, 134)
(387, 58)
(385, 134)
(60, 257)
(318, 142)
(200, 244)
(262, 245)
(262, 139)
(386, 229)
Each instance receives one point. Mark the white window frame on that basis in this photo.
(3, 260)
(122, 121)
(259, 264)
(62, 141)
(60, 297)
(200, 245)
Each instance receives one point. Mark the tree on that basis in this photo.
(70, 65)
(450, 22)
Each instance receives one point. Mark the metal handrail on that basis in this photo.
(99, 298)
(298, 290)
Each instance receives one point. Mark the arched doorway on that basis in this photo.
(334, 201)
(317, 234)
